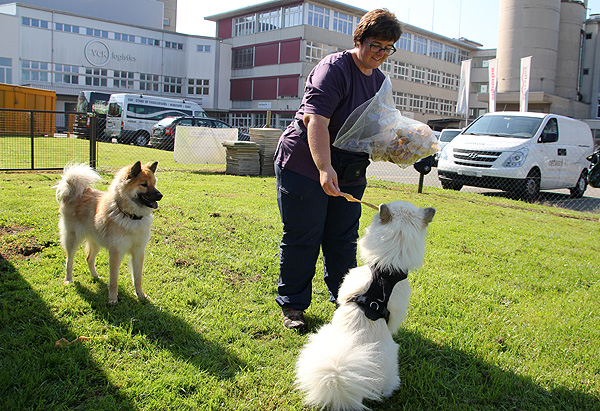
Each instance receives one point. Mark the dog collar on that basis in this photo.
(131, 216)
(375, 300)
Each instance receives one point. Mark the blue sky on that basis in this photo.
(476, 20)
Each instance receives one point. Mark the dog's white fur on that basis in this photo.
(101, 219)
(354, 358)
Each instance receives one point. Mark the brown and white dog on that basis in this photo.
(118, 219)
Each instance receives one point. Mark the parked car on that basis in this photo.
(163, 132)
(519, 152)
(446, 136)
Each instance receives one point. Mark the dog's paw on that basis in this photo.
(67, 282)
(143, 297)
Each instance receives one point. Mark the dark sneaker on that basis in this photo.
(293, 319)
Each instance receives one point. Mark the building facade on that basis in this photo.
(253, 71)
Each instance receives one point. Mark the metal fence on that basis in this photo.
(48, 140)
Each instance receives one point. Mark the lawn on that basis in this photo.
(504, 313)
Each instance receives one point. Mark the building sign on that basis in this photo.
(98, 54)
(264, 104)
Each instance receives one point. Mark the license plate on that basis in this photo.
(470, 173)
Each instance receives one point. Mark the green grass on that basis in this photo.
(504, 315)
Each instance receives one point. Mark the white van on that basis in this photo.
(130, 117)
(519, 152)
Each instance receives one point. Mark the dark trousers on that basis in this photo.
(312, 221)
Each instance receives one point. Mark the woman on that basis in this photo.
(311, 173)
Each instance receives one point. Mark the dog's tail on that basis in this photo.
(75, 179)
(336, 372)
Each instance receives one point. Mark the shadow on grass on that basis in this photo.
(437, 377)
(34, 372)
(558, 200)
(165, 330)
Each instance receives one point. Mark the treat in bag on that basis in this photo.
(377, 127)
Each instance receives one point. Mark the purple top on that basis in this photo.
(334, 88)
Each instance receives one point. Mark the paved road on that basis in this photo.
(557, 198)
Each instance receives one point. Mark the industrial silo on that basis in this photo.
(572, 18)
(528, 28)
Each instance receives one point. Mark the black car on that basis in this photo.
(163, 132)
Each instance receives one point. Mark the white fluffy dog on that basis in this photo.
(354, 357)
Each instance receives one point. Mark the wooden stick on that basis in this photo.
(349, 197)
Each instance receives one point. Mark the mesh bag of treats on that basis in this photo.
(377, 127)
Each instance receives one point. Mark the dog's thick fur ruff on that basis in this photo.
(118, 219)
(352, 358)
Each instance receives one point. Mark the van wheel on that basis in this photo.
(141, 139)
(530, 189)
(451, 185)
(579, 189)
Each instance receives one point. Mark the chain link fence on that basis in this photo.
(48, 140)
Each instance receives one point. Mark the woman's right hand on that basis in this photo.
(329, 181)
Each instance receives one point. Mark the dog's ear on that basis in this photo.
(152, 166)
(429, 213)
(385, 215)
(135, 170)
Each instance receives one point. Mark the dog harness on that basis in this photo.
(375, 300)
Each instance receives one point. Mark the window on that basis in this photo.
(435, 50)
(434, 78)
(173, 45)
(315, 51)
(451, 54)
(401, 100)
(243, 58)
(318, 16)
(401, 70)
(96, 77)
(123, 79)
(149, 82)
(198, 86)
(342, 23)
(243, 26)
(149, 41)
(416, 103)
(5, 70)
(269, 20)
(203, 48)
(431, 105)
(386, 67)
(42, 24)
(292, 16)
(260, 120)
(420, 45)
(241, 120)
(172, 85)
(418, 74)
(35, 71)
(66, 74)
(405, 42)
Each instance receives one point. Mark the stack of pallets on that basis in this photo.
(267, 138)
(242, 158)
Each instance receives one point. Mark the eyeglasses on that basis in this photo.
(388, 51)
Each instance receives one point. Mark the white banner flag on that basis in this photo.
(493, 83)
(525, 71)
(462, 105)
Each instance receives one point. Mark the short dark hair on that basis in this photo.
(380, 24)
